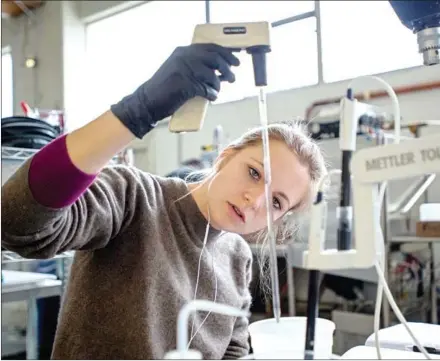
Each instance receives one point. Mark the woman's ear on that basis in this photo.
(223, 158)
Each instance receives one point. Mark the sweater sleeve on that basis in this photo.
(99, 213)
(53, 179)
(239, 345)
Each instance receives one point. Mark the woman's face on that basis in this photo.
(236, 196)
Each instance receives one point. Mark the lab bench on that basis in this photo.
(19, 285)
(29, 287)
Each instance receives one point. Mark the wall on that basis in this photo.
(55, 35)
(39, 36)
(92, 10)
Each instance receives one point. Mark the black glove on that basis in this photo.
(190, 71)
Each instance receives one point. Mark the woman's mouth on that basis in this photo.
(237, 213)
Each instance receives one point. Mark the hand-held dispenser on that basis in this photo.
(253, 37)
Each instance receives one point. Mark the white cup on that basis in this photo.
(286, 339)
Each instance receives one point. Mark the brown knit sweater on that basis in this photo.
(135, 266)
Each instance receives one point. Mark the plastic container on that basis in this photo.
(370, 353)
(189, 355)
(286, 339)
(429, 212)
(397, 337)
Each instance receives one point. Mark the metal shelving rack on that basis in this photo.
(12, 158)
(17, 154)
(12, 257)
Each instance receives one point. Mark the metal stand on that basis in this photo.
(312, 313)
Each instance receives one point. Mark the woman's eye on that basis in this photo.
(276, 203)
(254, 173)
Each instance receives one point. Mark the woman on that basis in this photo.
(139, 236)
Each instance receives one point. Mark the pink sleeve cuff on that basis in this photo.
(54, 180)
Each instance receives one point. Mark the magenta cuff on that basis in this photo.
(54, 180)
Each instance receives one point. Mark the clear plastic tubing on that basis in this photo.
(269, 201)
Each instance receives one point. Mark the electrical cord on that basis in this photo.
(397, 311)
(379, 291)
(383, 287)
(205, 239)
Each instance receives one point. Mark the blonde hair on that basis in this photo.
(295, 136)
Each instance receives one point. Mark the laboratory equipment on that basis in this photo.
(253, 37)
(218, 140)
(369, 353)
(370, 167)
(182, 326)
(396, 337)
(271, 339)
(423, 18)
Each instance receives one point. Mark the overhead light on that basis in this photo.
(30, 62)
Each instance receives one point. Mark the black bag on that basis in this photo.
(25, 132)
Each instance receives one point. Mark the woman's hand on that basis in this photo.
(190, 71)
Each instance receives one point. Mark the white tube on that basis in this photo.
(397, 311)
(200, 305)
(392, 94)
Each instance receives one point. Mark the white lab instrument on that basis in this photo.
(369, 168)
(273, 340)
(369, 353)
(362, 255)
(182, 326)
(253, 37)
(396, 337)
(429, 212)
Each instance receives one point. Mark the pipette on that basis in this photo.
(269, 199)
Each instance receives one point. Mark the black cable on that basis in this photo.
(312, 313)
(345, 218)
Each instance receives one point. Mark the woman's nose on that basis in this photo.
(255, 198)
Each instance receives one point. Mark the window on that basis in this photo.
(293, 60)
(242, 11)
(7, 85)
(364, 37)
(125, 50)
